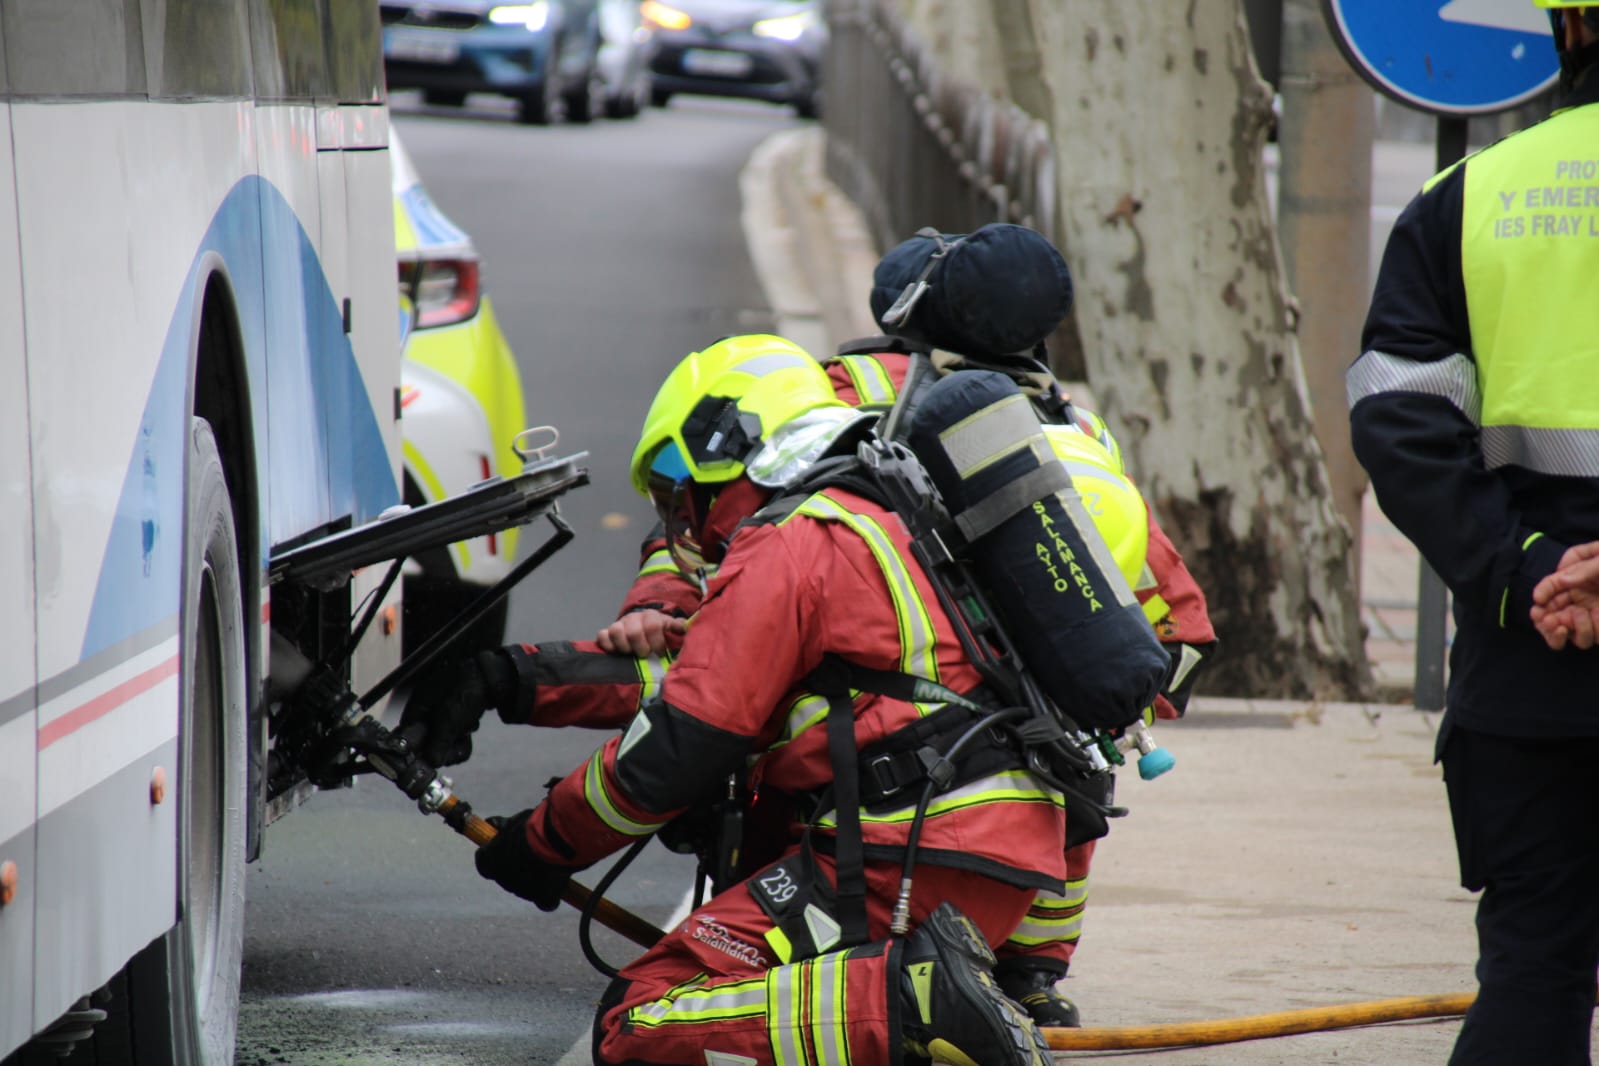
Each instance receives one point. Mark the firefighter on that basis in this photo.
(1473, 409)
(1021, 289)
(796, 964)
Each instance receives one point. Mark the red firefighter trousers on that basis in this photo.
(715, 991)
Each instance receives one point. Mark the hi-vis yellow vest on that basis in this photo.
(1529, 248)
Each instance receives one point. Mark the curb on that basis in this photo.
(809, 243)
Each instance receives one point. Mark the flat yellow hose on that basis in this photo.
(1259, 1026)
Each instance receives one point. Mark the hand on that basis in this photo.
(641, 633)
(444, 709)
(1566, 602)
(508, 860)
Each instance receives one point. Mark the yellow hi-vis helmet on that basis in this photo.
(717, 405)
(1112, 500)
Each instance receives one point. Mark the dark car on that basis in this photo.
(754, 49)
(543, 54)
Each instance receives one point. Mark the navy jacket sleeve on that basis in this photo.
(1414, 419)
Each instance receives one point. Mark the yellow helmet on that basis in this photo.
(717, 405)
(1564, 3)
(1113, 501)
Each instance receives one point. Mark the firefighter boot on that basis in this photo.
(954, 1011)
(1031, 983)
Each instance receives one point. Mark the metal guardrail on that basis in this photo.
(913, 147)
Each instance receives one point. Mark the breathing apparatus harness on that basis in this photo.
(1009, 723)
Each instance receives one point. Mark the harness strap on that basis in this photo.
(1014, 497)
(829, 680)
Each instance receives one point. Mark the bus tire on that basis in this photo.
(182, 992)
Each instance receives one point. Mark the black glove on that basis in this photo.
(510, 863)
(444, 709)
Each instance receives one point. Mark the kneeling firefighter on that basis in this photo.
(988, 300)
(824, 582)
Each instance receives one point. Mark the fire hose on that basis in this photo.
(434, 795)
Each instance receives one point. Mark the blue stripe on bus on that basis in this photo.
(298, 358)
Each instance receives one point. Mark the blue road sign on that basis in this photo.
(1449, 57)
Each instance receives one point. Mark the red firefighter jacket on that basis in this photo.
(831, 578)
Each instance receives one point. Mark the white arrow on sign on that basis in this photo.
(1497, 14)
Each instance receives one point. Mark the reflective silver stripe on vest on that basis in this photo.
(1454, 379)
(1556, 452)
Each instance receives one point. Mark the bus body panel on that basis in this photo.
(18, 718)
(109, 514)
(374, 326)
(132, 190)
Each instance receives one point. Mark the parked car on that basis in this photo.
(627, 47)
(543, 54)
(753, 49)
(461, 405)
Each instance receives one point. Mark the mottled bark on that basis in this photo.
(1159, 119)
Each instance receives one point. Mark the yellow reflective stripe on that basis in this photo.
(784, 1014)
(1156, 608)
(780, 944)
(1076, 893)
(696, 1006)
(600, 802)
(1034, 932)
(1009, 786)
(871, 380)
(916, 634)
(827, 1011)
(651, 676)
(658, 562)
(806, 712)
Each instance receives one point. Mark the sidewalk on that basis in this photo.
(1300, 854)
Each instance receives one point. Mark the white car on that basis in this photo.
(460, 402)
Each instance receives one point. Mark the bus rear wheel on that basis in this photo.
(179, 998)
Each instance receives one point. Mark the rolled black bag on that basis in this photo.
(1035, 551)
(999, 290)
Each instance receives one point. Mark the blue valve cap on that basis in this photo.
(1155, 763)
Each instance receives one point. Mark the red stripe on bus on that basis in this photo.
(106, 702)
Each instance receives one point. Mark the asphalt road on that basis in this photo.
(611, 251)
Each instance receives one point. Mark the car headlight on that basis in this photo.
(534, 16)
(785, 27)
(664, 16)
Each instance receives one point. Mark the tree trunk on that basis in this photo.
(1160, 120)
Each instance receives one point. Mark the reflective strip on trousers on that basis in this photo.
(1053, 919)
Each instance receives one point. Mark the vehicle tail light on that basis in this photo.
(488, 472)
(444, 291)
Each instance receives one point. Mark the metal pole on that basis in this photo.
(1432, 598)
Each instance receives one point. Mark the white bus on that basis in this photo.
(199, 361)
